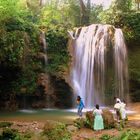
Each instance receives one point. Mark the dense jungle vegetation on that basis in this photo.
(21, 22)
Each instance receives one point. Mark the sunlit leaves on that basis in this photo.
(8, 8)
(57, 51)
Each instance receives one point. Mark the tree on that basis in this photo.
(138, 4)
(84, 13)
(42, 2)
(9, 9)
(121, 5)
(95, 12)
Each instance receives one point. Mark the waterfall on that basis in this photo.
(43, 78)
(121, 68)
(43, 46)
(99, 69)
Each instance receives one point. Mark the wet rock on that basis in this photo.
(108, 118)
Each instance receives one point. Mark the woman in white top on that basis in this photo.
(123, 110)
(117, 108)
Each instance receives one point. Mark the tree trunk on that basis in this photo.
(84, 14)
(42, 2)
(88, 10)
(138, 4)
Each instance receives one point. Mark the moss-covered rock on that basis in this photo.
(89, 120)
(108, 119)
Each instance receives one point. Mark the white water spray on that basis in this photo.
(99, 64)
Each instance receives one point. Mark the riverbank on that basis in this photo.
(35, 128)
(33, 125)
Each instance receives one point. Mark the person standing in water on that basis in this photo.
(98, 120)
(80, 106)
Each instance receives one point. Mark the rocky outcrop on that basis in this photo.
(88, 122)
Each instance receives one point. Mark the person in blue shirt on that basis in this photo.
(80, 106)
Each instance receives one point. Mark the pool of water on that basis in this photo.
(42, 115)
(39, 115)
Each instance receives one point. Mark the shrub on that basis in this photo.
(89, 119)
(10, 134)
(130, 135)
(5, 124)
(80, 123)
(106, 137)
(56, 131)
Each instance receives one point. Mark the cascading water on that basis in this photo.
(43, 77)
(43, 46)
(99, 64)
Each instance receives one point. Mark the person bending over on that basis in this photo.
(80, 106)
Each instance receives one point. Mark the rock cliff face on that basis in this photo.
(134, 72)
(55, 87)
(52, 89)
(57, 92)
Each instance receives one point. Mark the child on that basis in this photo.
(98, 120)
(80, 106)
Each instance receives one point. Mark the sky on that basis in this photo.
(105, 3)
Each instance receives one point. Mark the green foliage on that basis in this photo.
(65, 12)
(57, 50)
(69, 13)
(27, 135)
(10, 134)
(106, 137)
(89, 119)
(131, 27)
(19, 47)
(122, 5)
(5, 124)
(26, 83)
(80, 123)
(134, 72)
(8, 8)
(14, 134)
(94, 14)
(53, 131)
(11, 50)
(121, 16)
(34, 6)
(20, 21)
(73, 12)
(129, 135)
